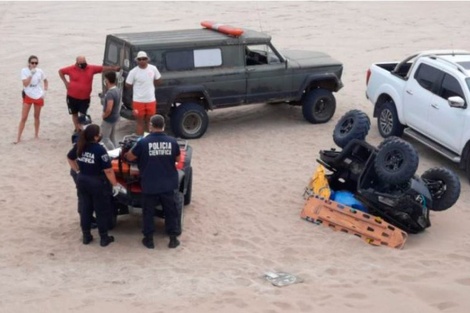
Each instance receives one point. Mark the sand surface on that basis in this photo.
(250, 171)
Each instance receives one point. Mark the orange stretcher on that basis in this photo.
(370, 228)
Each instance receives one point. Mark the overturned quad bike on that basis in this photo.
(383, 178)
(127, 174)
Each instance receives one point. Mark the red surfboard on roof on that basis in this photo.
(222, 28)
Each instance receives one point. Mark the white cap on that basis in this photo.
(141, 54)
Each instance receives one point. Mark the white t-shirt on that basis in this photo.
(143, 88)
(34, 89)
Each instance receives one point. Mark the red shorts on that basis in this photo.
(38, 102)
(142, 109)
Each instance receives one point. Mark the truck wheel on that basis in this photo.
(396, 161)
(444, 186)
(318, 106)
(388, 122)
(187, 195)
(189, 121)
(355, 124)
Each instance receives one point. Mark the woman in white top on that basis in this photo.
(33, 94)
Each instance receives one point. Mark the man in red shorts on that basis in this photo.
(143, 78)
(79, 85)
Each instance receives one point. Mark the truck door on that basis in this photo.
(117, 53)
(446, 124)
(417, 96)
(217, 69)
(266, 75)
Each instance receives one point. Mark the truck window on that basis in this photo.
(113, 53)
(191, 59)
(259, 55)
(450, 88)
(428, 77)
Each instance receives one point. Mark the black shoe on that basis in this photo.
(148, 242)
(174, 242)
(87, 238)
(106, 240)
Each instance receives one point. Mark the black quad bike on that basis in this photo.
(128, 176)
(383, 178)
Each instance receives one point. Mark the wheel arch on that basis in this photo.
(196, 94)
(465, 156)
(325, 81)
(388, 93)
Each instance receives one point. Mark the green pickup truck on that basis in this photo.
(211, 68)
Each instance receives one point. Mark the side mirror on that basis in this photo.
(456, 102)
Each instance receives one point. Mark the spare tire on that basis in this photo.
(444, 186)
(396, 161)
(355, 124)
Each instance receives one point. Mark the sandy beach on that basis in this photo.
(250, 171)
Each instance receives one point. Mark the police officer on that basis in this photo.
(84, 121)
(156, 156)
(94, 180)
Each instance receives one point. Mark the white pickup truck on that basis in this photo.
(425, 96)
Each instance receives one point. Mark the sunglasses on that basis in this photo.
(142, 59)
(33, 62)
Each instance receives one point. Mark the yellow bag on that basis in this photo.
(319, 183)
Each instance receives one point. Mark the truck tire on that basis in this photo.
(387, 121)
(355, 124)
(444, 186)
(318, 106)
(187, 195)
(396, 161)
(189, 121)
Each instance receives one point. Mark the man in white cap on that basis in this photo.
(143, 78)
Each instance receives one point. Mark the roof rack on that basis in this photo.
(458, 66)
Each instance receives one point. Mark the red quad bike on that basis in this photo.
(383, 178)
(127, 174)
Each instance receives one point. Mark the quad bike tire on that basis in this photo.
(444, 186)
(396, 161)
(386, 140)
(355, 124)
(179, 198)
(189, 189)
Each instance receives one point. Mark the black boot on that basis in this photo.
(106, 240)
(87, 238)
(147, 241)
(174, 242)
